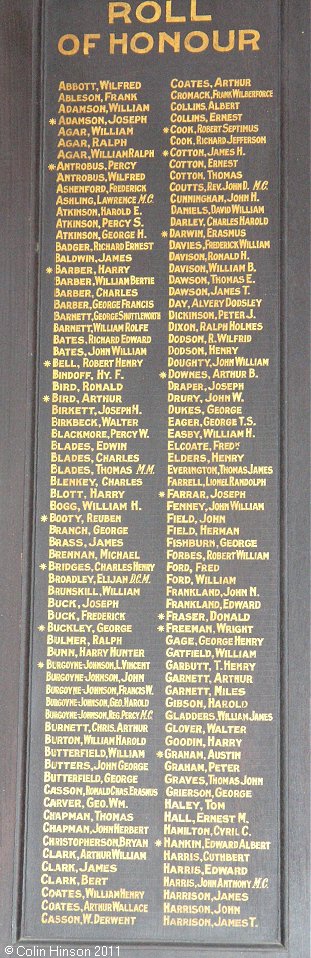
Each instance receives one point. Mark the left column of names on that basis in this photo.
(94, 471)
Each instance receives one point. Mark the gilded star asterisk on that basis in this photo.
(49, 269)
(162, 375)
(161, 615)
(165, 129)
(41, 628)
(40, 665)
(52, 166)
(161, 495)
(47, 363)
(42, 566)
(165, 153)
(44, 518)
(52, 121)
(164, 233)
(158, 843)
(160, 628)
(46, 398)
(159, 754)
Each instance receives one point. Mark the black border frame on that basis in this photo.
(19, 110)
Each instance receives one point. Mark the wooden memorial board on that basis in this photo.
(155, 462)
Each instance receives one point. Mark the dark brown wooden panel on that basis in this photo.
(30, 71)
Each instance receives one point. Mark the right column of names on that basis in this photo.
(221, 506)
